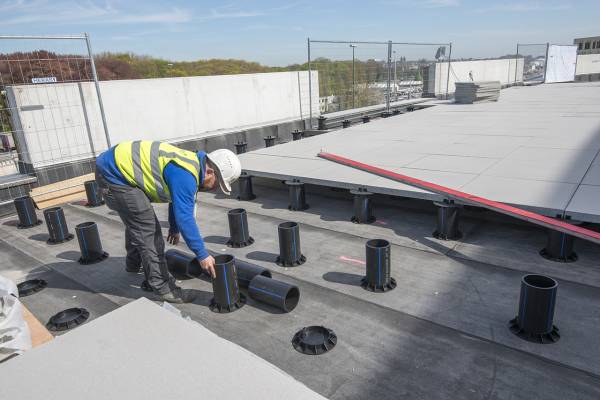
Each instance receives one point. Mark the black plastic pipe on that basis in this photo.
(26, 212)
(297, 134)
(448, 215)
(363, 207)
(246, 272)
(559, 247)
(274, 293)
(57, 226)
(241, 147)
(535, 319)
(321, 123)
(385, 114)
(245, 191)
(93, 193)
(238, 228)
(395, 111)
(227, 297)
(269, 141)
(365, 119)
(345, 123)
(290, 254)
(297, 195)
(378, 272)
(89, 243)
(182, 264)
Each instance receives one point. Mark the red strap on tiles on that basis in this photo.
(467, 198)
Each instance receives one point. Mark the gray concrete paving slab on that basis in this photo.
(585, 202)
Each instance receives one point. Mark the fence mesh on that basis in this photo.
(534, 59)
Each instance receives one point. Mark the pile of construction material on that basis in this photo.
(477, 92)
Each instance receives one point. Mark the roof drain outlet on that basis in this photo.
(241, 147)
(89, 243)
(238, 228)
(297, 195)
(246, 272)
(378, 277)
(227, 297)
(290, 254)
(278, 294)
(26, 212)
(363, 207)
(245, 187)
(559, 247)
(57, 226)
(534, 322)
(297, 134)
(93, 193)
(314, 340)
(447, 221)
(269, 141)
(67, 319)
(182, 264)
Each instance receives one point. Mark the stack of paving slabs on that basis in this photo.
(477, 92)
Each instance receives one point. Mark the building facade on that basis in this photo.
(588, 45)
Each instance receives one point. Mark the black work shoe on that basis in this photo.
(145, 286)
(178, 296)
(136, 269)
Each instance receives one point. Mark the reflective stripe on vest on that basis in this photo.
(142, 164)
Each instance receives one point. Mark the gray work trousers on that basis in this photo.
(144, 240)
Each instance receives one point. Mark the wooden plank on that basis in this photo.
(67, 183)
(60, 192)
(39, 333)
(56, 201)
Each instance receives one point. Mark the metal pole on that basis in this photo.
(448, 77)
(95, 75)
(309, 89)
(353, 78)
(517, 63)
(546, 62)
(389, 75)
(395, 73)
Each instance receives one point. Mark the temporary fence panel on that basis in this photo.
(561, 63)
(534, 58)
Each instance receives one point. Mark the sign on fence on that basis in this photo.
(46, 79)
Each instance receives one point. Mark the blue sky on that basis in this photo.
(275, 32)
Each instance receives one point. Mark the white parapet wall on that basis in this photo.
(508, 71)
(55, 121)
(587, 64)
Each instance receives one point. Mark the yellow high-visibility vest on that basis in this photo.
(142, 163)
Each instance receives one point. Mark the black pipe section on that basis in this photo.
(395, 111)
(321, 123)
(57, 226)
(182, 264)
(26, 212)
(345, 123)
(227, 297)
(297, 195)
(365, 119)
(534, 321)
(239, 235)
(278, 294)
(245, 187)
(246, 272)
(241, 147)
(297, 134)
(290, 254)
(385, 114)
(89, 243)
(93, 193)
(559, 247)
(269, 141)
(378, 277)
(410, 108)
(363, 207)
(447, 221)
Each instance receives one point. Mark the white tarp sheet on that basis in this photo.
(560, 66)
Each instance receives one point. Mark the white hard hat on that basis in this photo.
(227, 167)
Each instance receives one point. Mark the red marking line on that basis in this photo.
(352, 260)
(502, 208)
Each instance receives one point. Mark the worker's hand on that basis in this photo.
(173, 238)
(208, 266)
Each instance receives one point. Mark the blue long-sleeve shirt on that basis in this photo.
(182, 186)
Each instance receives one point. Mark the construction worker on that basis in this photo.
(135, 174)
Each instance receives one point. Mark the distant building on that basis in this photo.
(588, 45)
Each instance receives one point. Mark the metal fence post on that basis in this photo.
(546, 62)
(389, 76)
(517, 63)
(95, 76)
(448, 75)
(309, 89)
